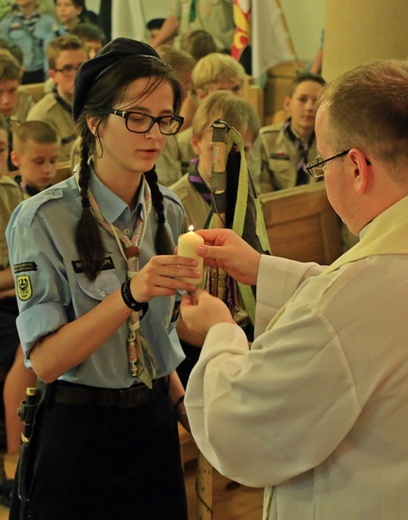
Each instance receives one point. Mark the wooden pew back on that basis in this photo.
(63, 172)
(302, 225)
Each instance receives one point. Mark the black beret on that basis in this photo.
(113, 53)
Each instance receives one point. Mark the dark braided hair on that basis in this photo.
(162, 242)
(101, 97)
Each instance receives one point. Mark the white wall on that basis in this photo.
(305, 20)
(155, 8)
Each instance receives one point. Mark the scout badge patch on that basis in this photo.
(24, 289)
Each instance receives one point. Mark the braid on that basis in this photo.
(88, 236)
(162, 242)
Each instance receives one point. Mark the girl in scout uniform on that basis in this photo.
(98, 291)
(28, 26)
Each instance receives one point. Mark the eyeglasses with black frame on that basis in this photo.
(317, 167)
(68, 70)
(140, 123)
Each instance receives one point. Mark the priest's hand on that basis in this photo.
(200, 311)
(225, 249)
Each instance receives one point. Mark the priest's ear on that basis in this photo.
(361, 169)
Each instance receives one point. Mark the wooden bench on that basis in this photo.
(63, 172)
(302, 225)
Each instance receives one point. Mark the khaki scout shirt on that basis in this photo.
(214, 16)
(10, 198)
(279, 159)
(50, 111)
(168, 166)
(195, 207)
(24, 104)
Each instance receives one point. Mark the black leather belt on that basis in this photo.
(68, 393)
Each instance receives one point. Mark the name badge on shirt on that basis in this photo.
(279, 156)
(107, 264)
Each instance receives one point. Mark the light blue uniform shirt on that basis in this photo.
(52, 291)
(13, 29)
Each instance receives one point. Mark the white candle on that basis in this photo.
(187, 244)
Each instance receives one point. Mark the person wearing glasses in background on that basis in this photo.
(65, 54)
(317, 408)
(99, 291)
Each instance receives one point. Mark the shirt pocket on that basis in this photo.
(17, 34)
(106, 283)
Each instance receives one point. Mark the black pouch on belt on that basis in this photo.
(28, 412)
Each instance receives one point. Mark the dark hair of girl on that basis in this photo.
(101, 97)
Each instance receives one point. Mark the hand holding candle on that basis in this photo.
(187, 244)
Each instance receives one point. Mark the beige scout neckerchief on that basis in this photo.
(387, 234)
(140, 357)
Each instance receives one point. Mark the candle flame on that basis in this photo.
(191, 228)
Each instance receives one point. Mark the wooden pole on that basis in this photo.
(217, 287)
(204, 488)
(218, 279)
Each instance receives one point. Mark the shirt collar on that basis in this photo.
(112, 206)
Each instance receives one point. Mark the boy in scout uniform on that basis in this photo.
(11, 355)
(14, 103)
(65, 55)
(288, 147)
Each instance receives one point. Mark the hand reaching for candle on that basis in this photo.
(200, 311)
(225, 249)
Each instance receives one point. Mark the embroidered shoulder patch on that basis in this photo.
(24, 266)
(24, 288)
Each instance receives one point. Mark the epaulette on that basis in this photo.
(8, 181)
(30, 206)
(271, 129)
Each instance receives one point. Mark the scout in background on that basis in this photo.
(28, 26)
(287, 147)
(15, 104)
(65, 55)
(194, 192)
(17, 377)
(35, 155)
